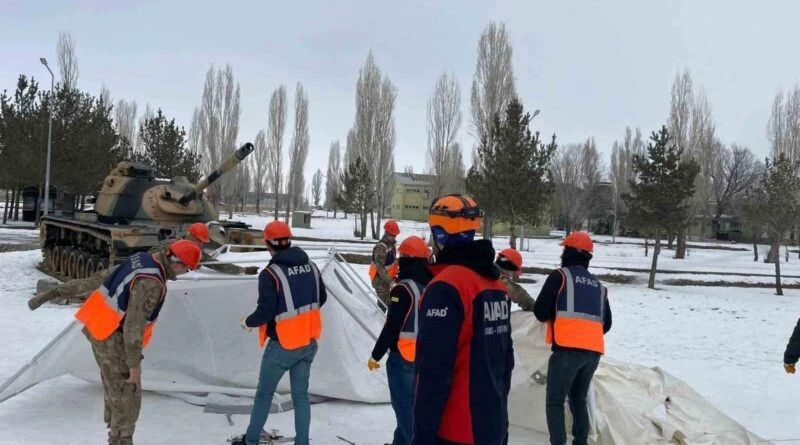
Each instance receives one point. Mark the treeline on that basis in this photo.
(89, 136)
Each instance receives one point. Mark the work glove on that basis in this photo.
(244, 325)
(789, 368)
(372, 364)
(251, 270)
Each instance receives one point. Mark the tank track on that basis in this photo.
(72, 261)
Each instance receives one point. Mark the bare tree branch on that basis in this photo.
(148, 114)
(443, 123)
(576, 171)
(219, 129)
(739, 172)
(260, 165)
(681, 110)
(493, 83)
(125, 120)
(783, 128)
(105, 94)
(67, 60)
(298, 151)
(275, 130)
(332, 183)
(621, 168)
(373, 131)
(316, 187)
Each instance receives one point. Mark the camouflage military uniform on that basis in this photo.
(71, 289)
(383, 281)
(120, 352)
(518, 294)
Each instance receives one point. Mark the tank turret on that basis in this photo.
(132, 193)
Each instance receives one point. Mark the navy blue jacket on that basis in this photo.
(464, 351)
(545, 307)
(269, 304)
(790, 356)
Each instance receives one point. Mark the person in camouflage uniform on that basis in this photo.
(198, 234)
(119, 356)
(509, 262)
(384, 258)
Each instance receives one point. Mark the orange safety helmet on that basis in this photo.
(199, 231)
(414, 247)
(455, 214)
(186, 252)
(277, 233)
(580, 241)
(510, 257)
(391, 227)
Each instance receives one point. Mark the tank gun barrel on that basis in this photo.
(229, 163)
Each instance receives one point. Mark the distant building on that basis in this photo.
(412, 196)
(267, 200)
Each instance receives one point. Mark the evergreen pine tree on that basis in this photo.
(658, 201)
(779, 208)
(514, 183)
(165, 149)
(357, 192)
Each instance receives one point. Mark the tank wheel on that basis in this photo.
(80, 267)
(91, 264)
(101, 264)
(48, 258)
(72, 267)
(63, 265)
(55, 259)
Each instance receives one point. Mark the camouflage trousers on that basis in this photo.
(382, 289)
(122, 400)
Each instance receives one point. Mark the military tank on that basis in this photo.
(133, 212)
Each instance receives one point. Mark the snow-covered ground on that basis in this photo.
(725, 342)
(18, 236)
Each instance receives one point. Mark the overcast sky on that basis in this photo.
(592, 67)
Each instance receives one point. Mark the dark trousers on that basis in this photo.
(400, 374)
(569, 373)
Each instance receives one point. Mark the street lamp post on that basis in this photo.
(49, 141)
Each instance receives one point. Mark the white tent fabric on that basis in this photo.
(198, 346)
(628, 404)
(199, 354)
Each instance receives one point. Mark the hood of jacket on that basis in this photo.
(575, 257)
(293, 256)
(414, 269)
(477, 256)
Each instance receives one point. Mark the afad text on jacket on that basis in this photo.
(464, 351)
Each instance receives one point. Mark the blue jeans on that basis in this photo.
(400, 374)
(274, 364)
(569, 373)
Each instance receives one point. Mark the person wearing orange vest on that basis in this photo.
(118, 319)
(383, 267)
(574, 304)
(399, 334)
(290, 296)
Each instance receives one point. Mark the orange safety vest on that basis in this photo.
(101, 318)
(407, 342)
(300, 319)
(392, 268)
(580, 311)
